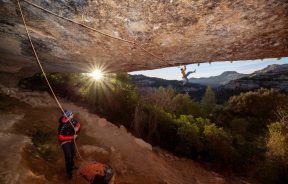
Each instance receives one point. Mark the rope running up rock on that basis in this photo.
(44, 74)
(104, 34)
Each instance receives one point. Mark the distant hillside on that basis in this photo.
(225, 85)
(195, 90)
(219, 80)
(273, 76)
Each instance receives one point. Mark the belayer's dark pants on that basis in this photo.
(69, 152)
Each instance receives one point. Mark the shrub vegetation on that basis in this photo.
(247, 133)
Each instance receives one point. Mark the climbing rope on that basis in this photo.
(102, 33)
(44, 74)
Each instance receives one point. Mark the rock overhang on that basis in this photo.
(181, 31)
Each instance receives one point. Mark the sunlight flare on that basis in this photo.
(96, 74)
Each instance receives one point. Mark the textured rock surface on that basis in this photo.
(12, 146)
(182, 31)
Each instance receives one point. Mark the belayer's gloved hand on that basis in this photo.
(76, 129)
(75, 136)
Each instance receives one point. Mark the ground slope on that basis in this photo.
(41, 159)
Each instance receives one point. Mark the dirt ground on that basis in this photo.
(33, 118)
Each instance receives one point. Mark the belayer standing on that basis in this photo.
(67, 135)
(185, 75)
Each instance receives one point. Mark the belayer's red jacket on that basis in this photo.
(65, 130)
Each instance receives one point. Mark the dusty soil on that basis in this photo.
(40, 158)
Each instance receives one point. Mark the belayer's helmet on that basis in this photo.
(67, 113)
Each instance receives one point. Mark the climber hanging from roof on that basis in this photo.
(184, 74)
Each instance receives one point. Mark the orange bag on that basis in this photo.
(97, 173)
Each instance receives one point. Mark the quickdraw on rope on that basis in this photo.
(44, 74)
(100, 32)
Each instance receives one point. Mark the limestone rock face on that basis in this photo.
(181, 31)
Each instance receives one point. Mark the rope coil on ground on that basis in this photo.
(100, 32)
(43, 72)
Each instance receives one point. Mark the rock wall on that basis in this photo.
(181, 31)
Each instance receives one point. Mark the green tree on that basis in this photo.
(277, 143)
(170, 101)
(219, 144)
(189, 136)
(274, 169)
(189, 142)
(183, 104)
(208, 102)
(120, 99)
(258, 108)
(238, 125)
(261, 104)
(167, 126)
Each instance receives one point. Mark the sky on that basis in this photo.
(213, 69)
